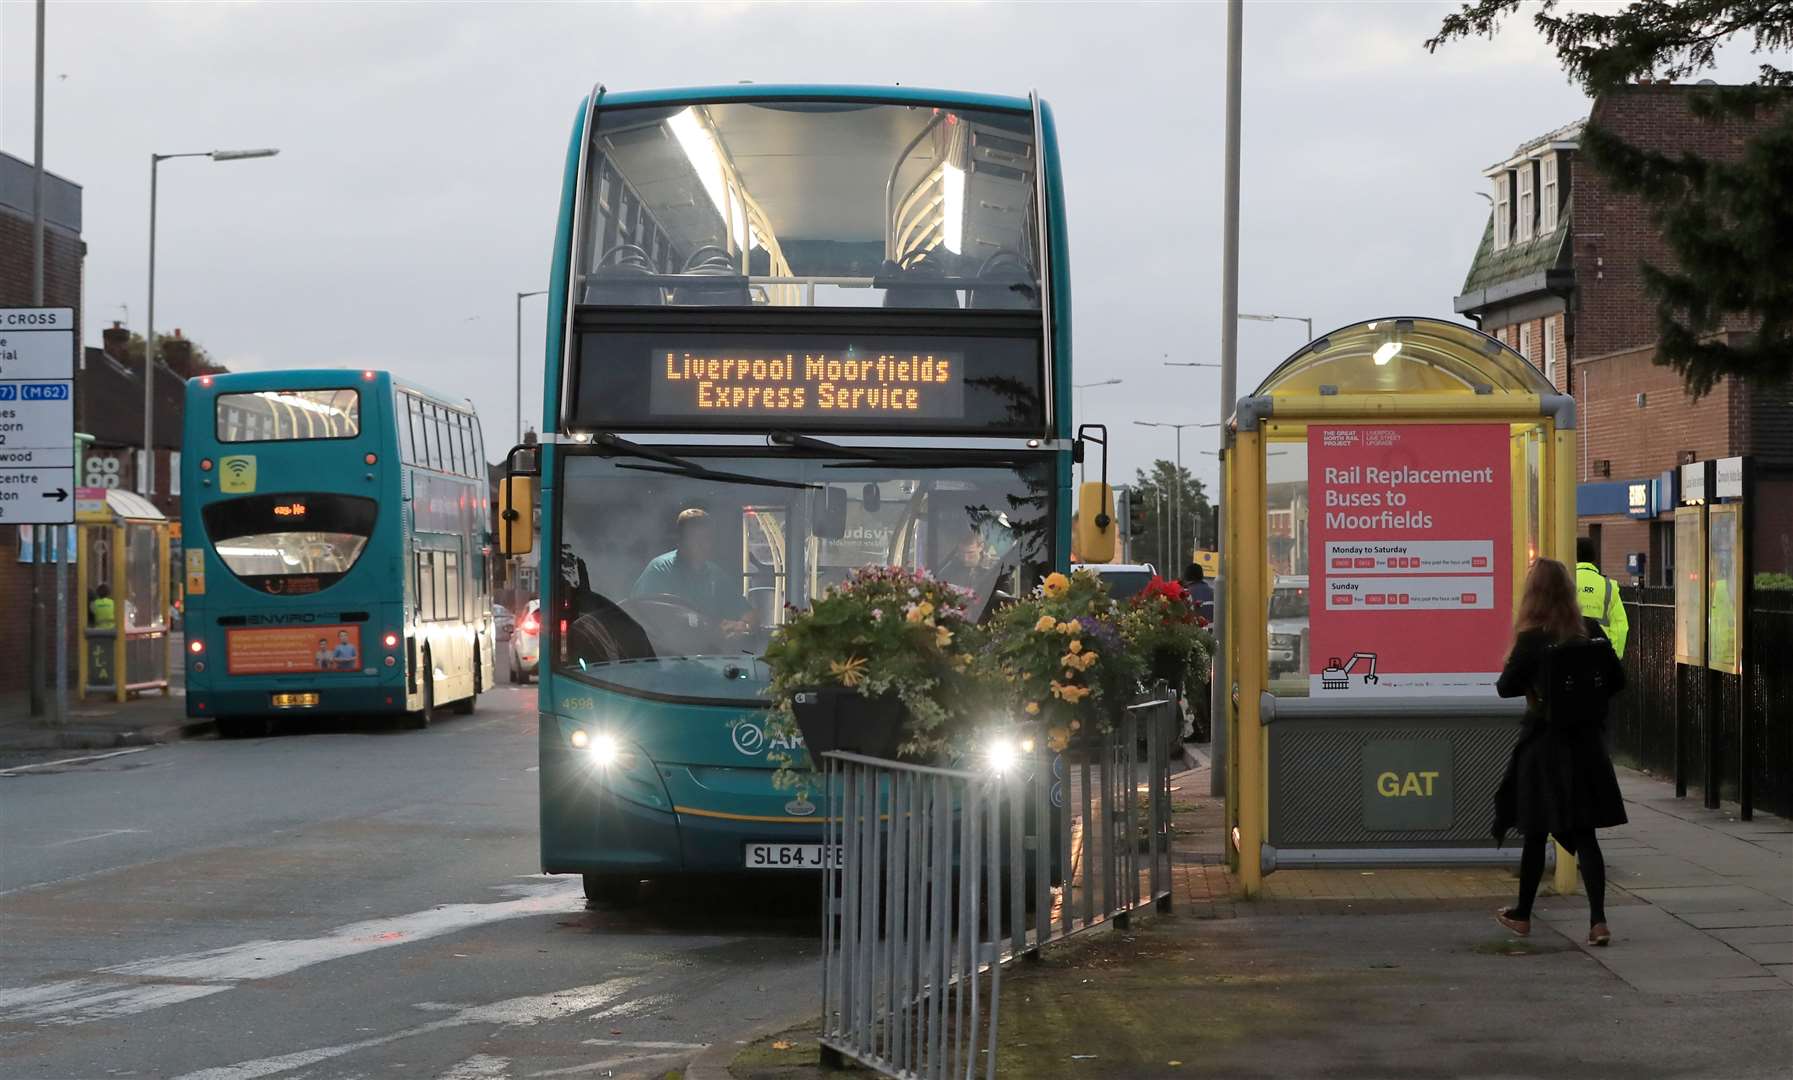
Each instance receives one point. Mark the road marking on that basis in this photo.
(95, 836)
(609, 1063)
(479, 1067)
(521, 1011)
(17, 769)
(79, 1001)
(647, 1045)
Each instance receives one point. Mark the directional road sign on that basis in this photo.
(37, 416)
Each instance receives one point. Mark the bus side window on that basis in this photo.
(454, 605)
(426, 588)
(438, 439)
(403, 423)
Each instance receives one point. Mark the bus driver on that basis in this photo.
(689, 573)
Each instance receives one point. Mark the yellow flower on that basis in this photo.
(942, 636)
(1068, 628)
(1033, 708)
(1055, 585)
(1057, 738)
(1075, 647)
(920, 611)
(850, 672)
(1069, 693)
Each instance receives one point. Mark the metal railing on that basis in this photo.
(940, 876)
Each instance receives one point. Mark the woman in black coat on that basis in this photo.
(1559, 781)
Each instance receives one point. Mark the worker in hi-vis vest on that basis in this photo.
(1599, 596)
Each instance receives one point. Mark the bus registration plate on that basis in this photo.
(792, 856)
(295, 701)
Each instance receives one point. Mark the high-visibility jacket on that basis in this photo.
(102, 613)
(1599, 598)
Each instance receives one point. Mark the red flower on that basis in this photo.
(1160, 588)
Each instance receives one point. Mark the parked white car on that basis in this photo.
(526, 643)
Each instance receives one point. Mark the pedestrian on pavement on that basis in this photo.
(1201, 594)
(102, 611)
(1599, 596)
(1559, 781)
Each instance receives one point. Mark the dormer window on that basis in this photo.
(1503, 211)
(1526, 217)
(1547, 195)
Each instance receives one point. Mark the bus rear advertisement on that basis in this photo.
(336, 558)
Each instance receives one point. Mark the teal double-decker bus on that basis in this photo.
(337, 544)
(793, 331)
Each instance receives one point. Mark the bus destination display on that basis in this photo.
(898, 385)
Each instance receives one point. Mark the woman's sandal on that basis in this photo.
(1599, 935)
(1521, 927)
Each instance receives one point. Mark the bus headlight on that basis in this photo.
(605, 750)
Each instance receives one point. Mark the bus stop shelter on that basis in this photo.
(122, 574)
(1401, 475)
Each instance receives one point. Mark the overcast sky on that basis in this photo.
(422, 146)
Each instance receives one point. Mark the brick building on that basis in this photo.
(1557, 277)
(63, 255)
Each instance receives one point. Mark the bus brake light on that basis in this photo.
(196, 646)
(390, 640)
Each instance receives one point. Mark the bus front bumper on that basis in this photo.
(593, 823)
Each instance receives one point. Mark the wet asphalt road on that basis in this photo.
(356, 902)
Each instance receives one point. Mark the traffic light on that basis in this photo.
(1135, 514)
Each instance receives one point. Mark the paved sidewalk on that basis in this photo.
(92, 725)
(1382, 973)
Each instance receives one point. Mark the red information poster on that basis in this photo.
(1410, 556)
(293, 650)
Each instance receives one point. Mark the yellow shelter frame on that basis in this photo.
(1398, 371)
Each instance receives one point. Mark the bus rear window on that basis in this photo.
(290, 544)
(287, 415)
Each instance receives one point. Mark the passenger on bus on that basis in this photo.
(689, 573)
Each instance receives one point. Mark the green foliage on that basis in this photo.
(1154, 491)
(202, 360)
(1726, 223)
(1769, 580)
(885, 631)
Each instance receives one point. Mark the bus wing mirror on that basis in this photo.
(829, 521)
(1094, 539)
(516, 515)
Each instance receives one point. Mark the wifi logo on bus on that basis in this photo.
(236, 474)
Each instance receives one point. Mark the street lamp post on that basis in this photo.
(149, 330)
(520, 298)
(1176, 491)
(1082, 386)
(1305, 320)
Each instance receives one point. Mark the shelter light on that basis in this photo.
(1387, 351)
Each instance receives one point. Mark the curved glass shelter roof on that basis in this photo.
(1405, 356)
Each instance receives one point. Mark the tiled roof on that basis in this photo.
(1546, 252)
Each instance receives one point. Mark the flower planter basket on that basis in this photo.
(840, 718)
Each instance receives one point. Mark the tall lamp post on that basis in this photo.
(1176, 502)
(1082, 386)
(1305, 320)
(149, 330)
(520, 298)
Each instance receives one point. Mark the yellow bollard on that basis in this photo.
(1561, 546)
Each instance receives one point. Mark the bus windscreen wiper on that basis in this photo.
(810, 442)
(678, 466)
